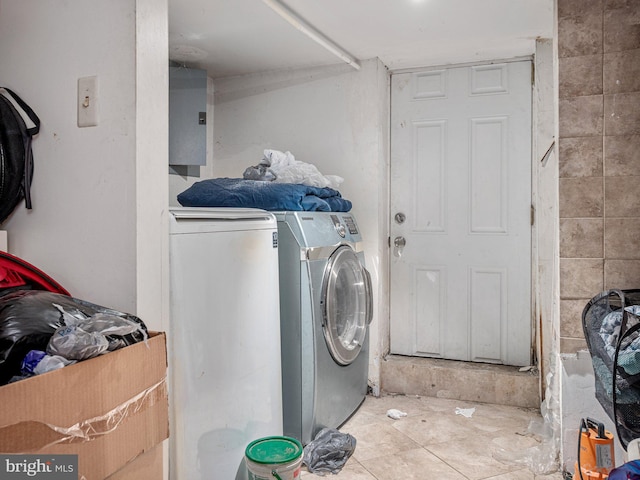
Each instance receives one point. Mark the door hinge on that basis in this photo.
(533, 74)
(533, 215)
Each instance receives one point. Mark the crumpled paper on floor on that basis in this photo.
(466, 412)
(395, 414)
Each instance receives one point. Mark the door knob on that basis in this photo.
(399, 242)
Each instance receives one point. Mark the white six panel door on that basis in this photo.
(461, 213)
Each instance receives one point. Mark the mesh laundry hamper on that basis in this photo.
(611, 324)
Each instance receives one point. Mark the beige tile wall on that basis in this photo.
(599, 154)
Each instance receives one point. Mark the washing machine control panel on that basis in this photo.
(349, 223)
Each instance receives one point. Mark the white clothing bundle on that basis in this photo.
(282, 167)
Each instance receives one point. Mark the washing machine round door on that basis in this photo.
(348, 305)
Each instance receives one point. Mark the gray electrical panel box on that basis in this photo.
(187, 116)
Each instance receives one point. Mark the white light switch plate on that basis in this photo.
(88, 101)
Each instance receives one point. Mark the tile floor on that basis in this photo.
(433, 442)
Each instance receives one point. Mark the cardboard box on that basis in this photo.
(108, 410)
(147, 466)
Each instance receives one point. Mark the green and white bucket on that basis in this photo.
(270, 458)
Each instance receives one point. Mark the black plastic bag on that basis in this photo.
(329, 451)
(28, 319)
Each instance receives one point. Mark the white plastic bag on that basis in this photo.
(289, 170)
(86, 337)
(74, 343)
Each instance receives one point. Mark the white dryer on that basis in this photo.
(325, 310)
(224, 339)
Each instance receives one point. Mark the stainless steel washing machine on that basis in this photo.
(326, 307)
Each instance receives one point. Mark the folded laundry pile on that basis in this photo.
(282, 167)
(271, 196)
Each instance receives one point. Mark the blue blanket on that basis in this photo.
(237, 192)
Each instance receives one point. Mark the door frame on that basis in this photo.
(536, 326)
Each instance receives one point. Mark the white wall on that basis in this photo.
(93, 210)
(151, 158)
(546, 241)
(333, 117)
(82, 227)
(578, 402)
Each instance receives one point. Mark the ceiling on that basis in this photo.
(236, 37)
